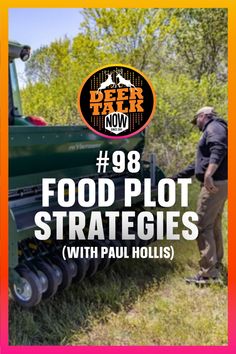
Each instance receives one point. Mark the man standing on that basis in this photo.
(210, 168)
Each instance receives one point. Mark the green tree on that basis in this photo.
(199, 40)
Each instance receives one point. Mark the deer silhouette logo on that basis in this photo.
(107, 83)
(123, 81)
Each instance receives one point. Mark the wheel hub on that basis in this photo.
(24, 292)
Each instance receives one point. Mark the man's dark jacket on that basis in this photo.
(212, 148)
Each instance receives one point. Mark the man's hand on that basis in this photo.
(208, 180)
(209, 184)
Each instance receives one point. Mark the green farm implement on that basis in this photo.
(36, 267)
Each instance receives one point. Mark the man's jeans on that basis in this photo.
(210, 240)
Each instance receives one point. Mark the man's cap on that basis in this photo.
(205, 110)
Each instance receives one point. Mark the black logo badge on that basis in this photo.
(116, 101)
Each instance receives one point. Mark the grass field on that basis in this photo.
(135, 302)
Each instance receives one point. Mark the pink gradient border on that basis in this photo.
(118, 349)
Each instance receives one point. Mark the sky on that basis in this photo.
(38, 27)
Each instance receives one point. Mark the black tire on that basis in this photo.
(124, 243)
(82, 268)
(114, 243)
(57, 270)
(104, 262)
(93, 262)
(66, 271)
(73, 267)
(93, 266)
(32, 282)
(44, 267)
